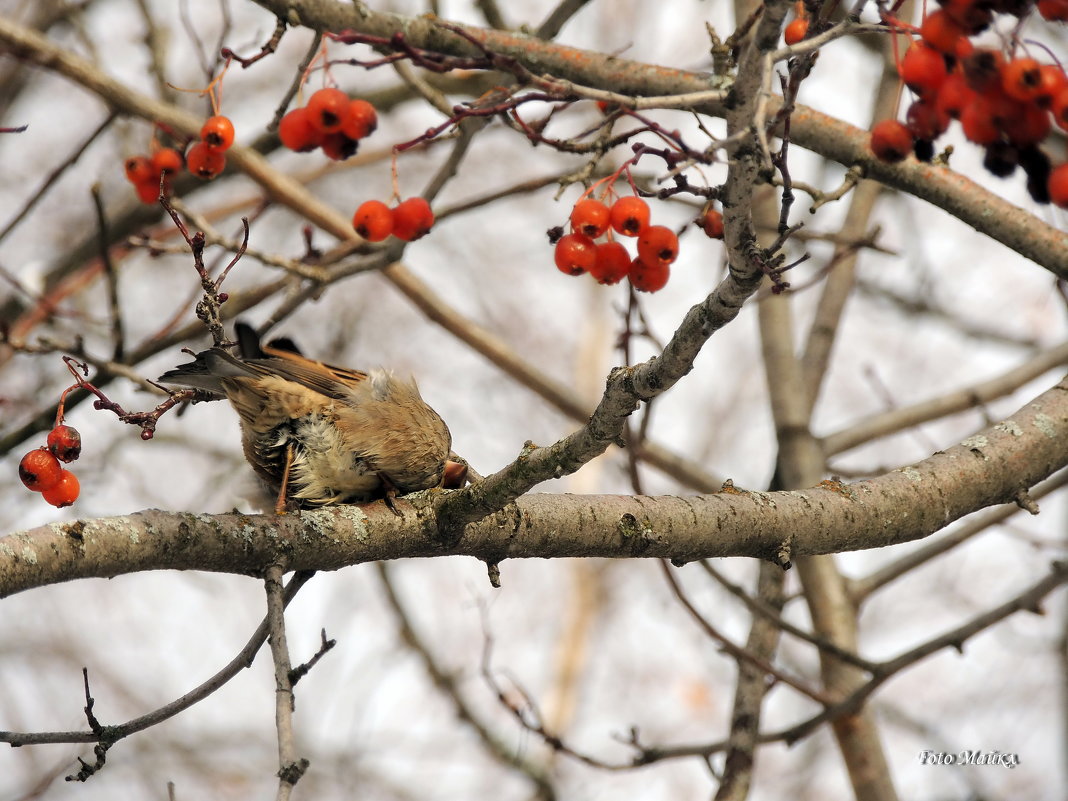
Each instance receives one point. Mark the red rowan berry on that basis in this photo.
(963, 48)
(1021, 79)
(711, 222)
(1053, 10)
(139, 169)
(148, 192)
(953, 95)
(204, 161)
(982, 69)
(167, 160)
(1029, 126)
(217, 133)
(649, 277)
(795, 31)
(297, 133)
(326, 109)
(65, 492)
(412, 218)
(339, 147)
(589, 217)
(923, 69)
(940, 31)
(629, 215)
(612, 263)
(658, 245)
(1051, 80)
(891, 141)
(360, 120)
(925, 121)
(977, 121)
(575, 254)
(1058, 186)
(1059, 109)
(373, 220)
(65, 443)
(40, 470)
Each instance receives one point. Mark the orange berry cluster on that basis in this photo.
(330, 120)
(408, 220)
(41, 472)
(1006, 102)
(608, 261)
(145, 172)
(207, 157)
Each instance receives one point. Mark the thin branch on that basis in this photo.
(1027, 601)
(559, 17)
(290, 768)
(750, 690)
(56, 173)
(737, 652)
(241, 661)
(298, 81)
(761, 608)
(302, 670)
(447, 684)
(269, 47)
(118, 336)
(881, 425)
(925, 304)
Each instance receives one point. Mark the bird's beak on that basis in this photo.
(455, 475)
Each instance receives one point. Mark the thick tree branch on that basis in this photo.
(985, 469)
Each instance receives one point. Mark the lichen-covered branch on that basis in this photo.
(988, 468)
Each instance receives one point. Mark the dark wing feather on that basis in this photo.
(279, 358)
(207, 370)
(317, 376)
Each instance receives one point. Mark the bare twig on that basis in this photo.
(56, 173)
(241, 661)
(290, 768)
(447, 684)
(118, 336)
(737, 652)
(761, 608)
(270, 46)
(1028, 601)
(881, 425)
(298, 81)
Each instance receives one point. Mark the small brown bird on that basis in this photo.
(317, 434)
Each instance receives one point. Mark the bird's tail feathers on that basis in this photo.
(207, 370)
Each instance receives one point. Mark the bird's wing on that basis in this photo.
(282, 358)
(326, 379)
(207, 370)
